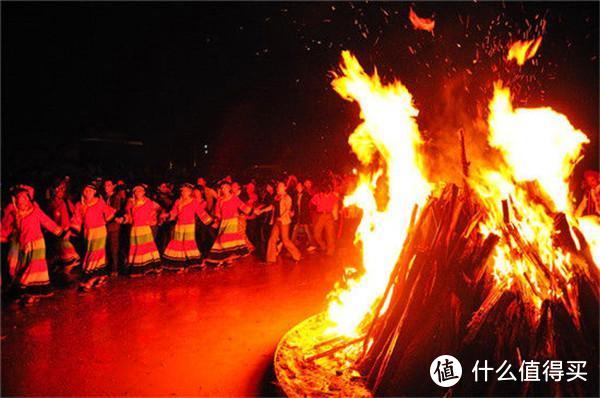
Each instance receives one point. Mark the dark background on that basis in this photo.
(139, 89)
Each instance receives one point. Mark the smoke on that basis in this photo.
(458, 106)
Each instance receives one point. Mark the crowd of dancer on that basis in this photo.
(107, 229)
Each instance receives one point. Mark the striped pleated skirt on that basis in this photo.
(231, 242)
(143, 254)
(29, 269)
(182, 251)
(94, 262)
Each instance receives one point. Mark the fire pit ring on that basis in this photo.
(300, 375)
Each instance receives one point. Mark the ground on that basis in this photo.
(209, 332)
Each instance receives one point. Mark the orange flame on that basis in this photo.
(389, 132)
(521, 51)
(539, 144)
(590, 228)
(421, 23)
(540, 147)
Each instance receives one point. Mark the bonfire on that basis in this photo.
(497, 268)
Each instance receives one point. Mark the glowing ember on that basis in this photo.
(389, 133)
(421, 23)
(521, 51)
(540, 147)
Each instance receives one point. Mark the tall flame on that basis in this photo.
(521, 51)
(540, 147)
(389, 132)
(538, 144)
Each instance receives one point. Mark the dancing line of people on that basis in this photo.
(112, 230)
(135, 232)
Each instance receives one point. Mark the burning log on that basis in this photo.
(463, 154)
(441, 298)
(334, 349)
(425, 285)
(466, 314)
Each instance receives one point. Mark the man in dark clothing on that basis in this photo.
(302, 217)
(210, 195)
(166, 200)
(115, 199)
(266, 220)
(250, 198)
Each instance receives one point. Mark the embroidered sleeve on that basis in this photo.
(202, 214)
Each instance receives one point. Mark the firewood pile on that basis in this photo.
(442, 299)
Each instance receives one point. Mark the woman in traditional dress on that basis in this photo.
(92, 214)
(140, 212)
(23, 220)
(64, 256)
(182, 251)
(12, 258)
(231, 242)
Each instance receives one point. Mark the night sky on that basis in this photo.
(251, 81)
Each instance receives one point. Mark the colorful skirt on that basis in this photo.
(231, 242)
(94, 262)
(12, 258)
(29, 268)
(182, 251)
(143, 254)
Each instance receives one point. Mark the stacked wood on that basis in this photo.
(441, 299)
